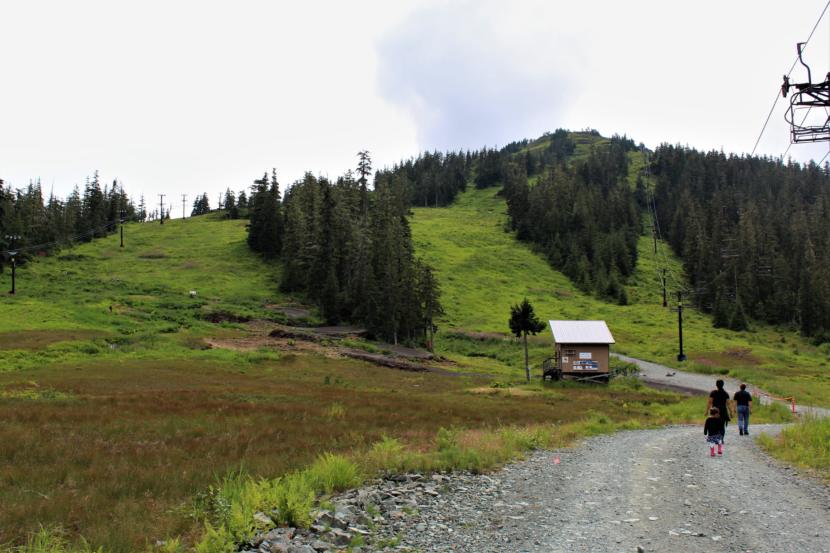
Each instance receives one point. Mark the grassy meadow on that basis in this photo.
(118, 417)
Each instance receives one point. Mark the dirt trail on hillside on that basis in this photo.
(654, 489)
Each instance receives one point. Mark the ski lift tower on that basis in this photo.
(806, 124)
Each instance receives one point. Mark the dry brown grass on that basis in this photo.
(734, 357)
(121, 451)
(37, 339)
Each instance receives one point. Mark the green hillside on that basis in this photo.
(483, 271)
(135, 301)
(119, 413)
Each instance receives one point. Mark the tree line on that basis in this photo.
(40, 225)
(347, 247)
(753, 234)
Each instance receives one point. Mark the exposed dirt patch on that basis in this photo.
(403, 351)
(342, 330)
(511, 392)
(37, 339)
(383, 360)
(224, 316)
(324, 341)
(730, 357)
(253, 343)
(290, 311)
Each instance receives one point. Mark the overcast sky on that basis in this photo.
(185, 96)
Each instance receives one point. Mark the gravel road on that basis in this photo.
(662, 376)
(655, 489)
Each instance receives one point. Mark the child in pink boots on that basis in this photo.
(714, 431)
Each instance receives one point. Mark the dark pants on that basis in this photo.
(743, 418)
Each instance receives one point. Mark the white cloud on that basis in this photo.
(188, 96)
(472, 75)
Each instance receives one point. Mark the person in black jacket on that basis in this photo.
(714, 429)
(720, 398)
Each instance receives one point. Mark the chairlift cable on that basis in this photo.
(778, 92)
(68, 240)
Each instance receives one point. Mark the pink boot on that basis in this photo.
(712, 451)
(720, 449)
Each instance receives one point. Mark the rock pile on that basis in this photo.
(383, 516)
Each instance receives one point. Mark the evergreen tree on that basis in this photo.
(523, 321)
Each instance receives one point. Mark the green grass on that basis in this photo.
(483, 270)
(806, 444)
(129, 301)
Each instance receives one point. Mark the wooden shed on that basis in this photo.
(582, 350)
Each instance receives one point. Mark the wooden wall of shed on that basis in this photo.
(599, 353)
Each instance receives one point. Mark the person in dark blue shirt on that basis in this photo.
(743, 399)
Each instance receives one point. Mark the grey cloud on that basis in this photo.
(466, 81)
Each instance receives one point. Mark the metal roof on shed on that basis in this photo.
(581, 332)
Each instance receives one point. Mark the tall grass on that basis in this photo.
(52, 540)
(806, 444)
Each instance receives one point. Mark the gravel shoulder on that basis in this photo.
(656, 489)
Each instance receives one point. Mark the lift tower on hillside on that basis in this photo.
(806, 124)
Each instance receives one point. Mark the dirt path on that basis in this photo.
(656, 489)
(656, 374)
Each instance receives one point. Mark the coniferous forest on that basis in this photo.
(32, 226)
(583, 216)
(753, 233)
(349, 250)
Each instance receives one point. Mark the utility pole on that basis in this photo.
(680, 356)
(123, 216)
(161, 207)
(12, 254)
(665, 303)
(654, 235)
(184, 200)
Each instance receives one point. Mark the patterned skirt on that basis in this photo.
(714, 438)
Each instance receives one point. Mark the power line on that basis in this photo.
(778, 92)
